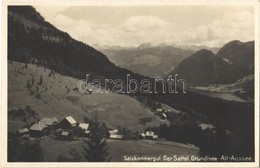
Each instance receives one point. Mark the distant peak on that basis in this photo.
(145, 45)
(204, 52)
(233, 43)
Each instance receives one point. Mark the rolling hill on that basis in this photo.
(234, 61)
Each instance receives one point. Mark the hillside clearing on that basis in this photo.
(58, 99)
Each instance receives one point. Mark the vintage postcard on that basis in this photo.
(157, 83)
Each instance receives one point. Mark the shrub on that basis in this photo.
(38, 95)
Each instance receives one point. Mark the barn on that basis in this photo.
(116, 136)
(149, 135)
(85, 128)
(22, 132)
(51, 123)
(68, 122)
(38, 130)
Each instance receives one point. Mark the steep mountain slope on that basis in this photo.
(240, 56)
(203, 67)
(233, 61)
(33, 40)
(152, 61)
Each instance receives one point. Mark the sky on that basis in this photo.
(129, 26)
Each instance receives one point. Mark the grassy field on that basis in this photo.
(59, 100)
(118, 148)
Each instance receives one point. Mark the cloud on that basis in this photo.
(137, 23)
(133, 31)
(50, 12)
(154, 29)
(232, 26)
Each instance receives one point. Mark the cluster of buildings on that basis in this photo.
(114, 134)
(46, 125)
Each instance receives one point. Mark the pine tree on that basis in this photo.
(24, 151)
(40, 82)
(76, 157)
(96, 149)
(221, 139)
(28, 84)
(32, 81)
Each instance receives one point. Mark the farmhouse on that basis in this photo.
(149, 135)
(114, 131)
(38, 130)
(49, 121)
(68, 122)
(114, 134)
(84, 127)
(23, 131)
(65, 135)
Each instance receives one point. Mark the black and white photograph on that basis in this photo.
(130, 82)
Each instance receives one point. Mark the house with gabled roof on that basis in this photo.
(84, 126)
(149, 135)
(22, 131)
(114, 134)
(68, 122)
(65, 135)
(113, 131)
(38, 130)
(52, 123)
(49, 121)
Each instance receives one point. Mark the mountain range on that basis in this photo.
(31, 39)
(151, 60)
(148, 60)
